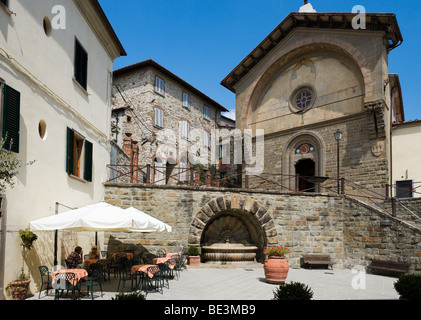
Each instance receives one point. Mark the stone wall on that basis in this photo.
(350, 231)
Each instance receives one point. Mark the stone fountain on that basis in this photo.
(228, 241)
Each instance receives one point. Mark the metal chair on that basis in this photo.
(94, 266)
(156, 278)
(117, 263)
(160, 253)
(177, 264)
(94, 280)
(125, 274)
(103, 254)
(65, 281)
(45, 279)
(85, 256)
(165, 273)
(106, 266)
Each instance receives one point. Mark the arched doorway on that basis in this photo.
(305, 169)
(304, 155)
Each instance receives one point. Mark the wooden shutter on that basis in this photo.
(70, 154)
(81, 65)
(88, 161)
(11, 118)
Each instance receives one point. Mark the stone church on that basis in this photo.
(313, 75)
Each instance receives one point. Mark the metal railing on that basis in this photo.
(211, 177)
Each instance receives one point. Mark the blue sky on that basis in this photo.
(201, 41)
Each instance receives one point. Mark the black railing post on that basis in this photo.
(393, 207)
(148, 173)
(342, 185)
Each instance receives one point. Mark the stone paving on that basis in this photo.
(248, 283)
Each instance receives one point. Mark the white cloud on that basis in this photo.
(230, 115)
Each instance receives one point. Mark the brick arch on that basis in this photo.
(233, 202)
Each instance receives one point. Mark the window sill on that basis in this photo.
(77, 178)
(162, 94)
(80, 86)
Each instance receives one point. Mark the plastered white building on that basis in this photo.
(56, 63)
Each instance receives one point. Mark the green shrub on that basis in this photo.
(129, 296)
(409, 286)
(293, 291)
(193, 251)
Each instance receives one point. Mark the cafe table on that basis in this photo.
(79, 274)
(163, 260)
(88, 262)
(128, 255)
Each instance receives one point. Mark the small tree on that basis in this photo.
(9, 165)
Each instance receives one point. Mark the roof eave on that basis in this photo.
(375, 21)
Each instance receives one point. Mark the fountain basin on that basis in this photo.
(229, 252)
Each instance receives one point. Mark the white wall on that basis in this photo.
(41, 68)
(406, 152)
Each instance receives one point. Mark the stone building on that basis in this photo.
(162, 121)
(312, 75)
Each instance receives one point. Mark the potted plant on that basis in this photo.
(18, 288)
(293, 291)
(193, 256)
(276, 266)
(409, 287)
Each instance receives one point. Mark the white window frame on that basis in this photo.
(159, 85)
(206, 112)
(185, 129)
(158, 117)
(206, 139)
(186, 100)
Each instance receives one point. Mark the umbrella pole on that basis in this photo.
(55, 239)
(56, 234)
(96, 238)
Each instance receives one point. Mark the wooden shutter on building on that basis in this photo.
(81, 65)
(70, 148)
(11, 118)
(88, 161)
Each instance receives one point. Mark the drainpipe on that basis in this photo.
(2, 243)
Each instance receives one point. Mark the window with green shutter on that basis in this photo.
(88, 161)
(11, 118)
(77, 149)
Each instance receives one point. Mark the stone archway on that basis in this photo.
(250, 214)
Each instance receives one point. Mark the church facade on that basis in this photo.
(312, 76)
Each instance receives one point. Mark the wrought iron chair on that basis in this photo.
(65, 281)
(94, 280)
(103, 254)
(94, 266)
(160, 253)
(106, 266)
(177, 261)
(45, 279)
(117, 263)
(155, 281)
(165, 273)
(125, 274)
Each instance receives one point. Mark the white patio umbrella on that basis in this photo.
(96, 217)
(146, 223)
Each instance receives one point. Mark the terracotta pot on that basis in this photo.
(194, 260)
(19, 289)
(276, 269)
